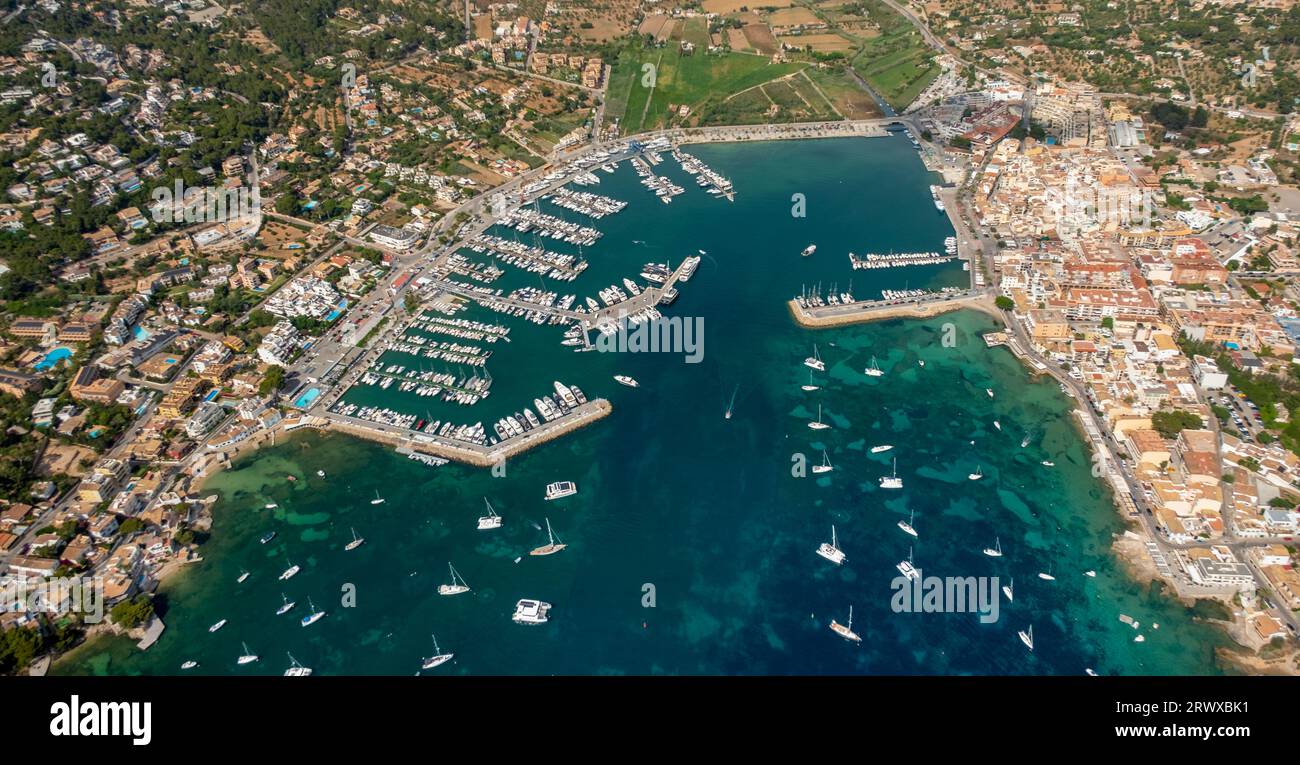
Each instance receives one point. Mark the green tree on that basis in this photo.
(133, 612)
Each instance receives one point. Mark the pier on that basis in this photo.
(862, 311)
(649, 298)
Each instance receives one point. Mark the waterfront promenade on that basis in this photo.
(862, 311)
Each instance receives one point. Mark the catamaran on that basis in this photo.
(295, 669)
(1027, 637)
(907, 525)
(846, 630)
(560, 489)
(438, 658)
(873, 370)
(378, 500)
(831, 550)
(248, 657)
(892, 481)
(1007, 589)
(810, 386)
(457, 586)
(528, 611)
(881, 448)
(288, 605)
(355, 543)
(552, 546)
(313, 616)
(976, 475)
(906, 568)
(491, 520)
(628, 381)
(217, 626)
(289, 572)
(815, 361)
(996, 550)
(818, 424)
(826, 465)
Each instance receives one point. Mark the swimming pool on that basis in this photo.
(51, 359)
(306, 398)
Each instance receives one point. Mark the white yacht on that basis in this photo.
(818, 424)
(831, 550)
(846, 630)
(996, 550)
(191, 664)
(271, 505)
(438, 658)
(826, 465)
(989, 391)
(313, 616)
(248, 657)
(1027, 637)
(881, 448)
(1048, 463)
(296, 670)
(529, 611)
(217, 626)
(810, 249)
(892, 481)
(242, 578)
(457, 586)
(997, 425)
(628, 381)
(560, 489)
(289, 572)
(906, 525)
(809, 386)
(906, 568)
(815, 361)
(320, 473)
(491, 520)
(378, 500)
(1007, 589)
(873, 370)
(1047, 577)
(976, 475)
(552, 546)
(355, 543)
(287, 607)
(1090, 572)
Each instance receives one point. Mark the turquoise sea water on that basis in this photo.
(699, 510)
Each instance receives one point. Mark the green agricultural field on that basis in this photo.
(897, 63)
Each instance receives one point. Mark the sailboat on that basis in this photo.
(873, 370)
(242, 577)
(815, 361)
(288, 605)
(989, 391)
(810, 386)
(907, 524)
(551, 547)
(313, 616)
(355, 543)
(491, 520)
(732, 403)
(1027, 637)
(438, 658)
(295, 669)
(976, 475)
(1047, 576)
(289, 572)
(996, 550)
(1007, 590)
(906, 568)
(818, 424)
(378, 500)
(892, 481)
(457, 585)
(846, 630)
(826, 465)
(248, 657)
(831, 550)
(997, 425)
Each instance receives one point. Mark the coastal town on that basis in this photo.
(189, 275)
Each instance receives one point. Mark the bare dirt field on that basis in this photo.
(791, 17)
(761, 38)
(732, 6)
(659, 25)
(825, 43)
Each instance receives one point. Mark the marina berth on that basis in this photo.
(872, 261)
(586, 203)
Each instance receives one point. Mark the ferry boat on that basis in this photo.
(1008, 590)
(312, 617)
(881, 448)
(906, 568)
(267, 537)
(628, 381)
(217, 626)
(688, 267)
(906, 525)
(287, 607)
(491, 520)
(1027, 637)
(846, 630)
(242, 578)
(529, 611)
(438, 658)
(296, 670)
(355, 543)
(996, 550)
(248, 657)
(826, 465)
(560, 489)
(190, 664)
(873, 370)
(378, 500)
(457, 586)
(831, 550)
(552, 546)
(892, 481)
(810, 249)
(815, 361)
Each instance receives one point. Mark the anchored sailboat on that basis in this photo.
(552, 546)
(732, 403)
(996, 550)
(892, 481)
(378, 500)
(491, 520)
(815, 361)
(438, 658)
(810, 386)
(846, 630)
(831, 550)
(457, 586)
(906, 568)
(1027, 637)
(826, 465)
(355, 543)
(873, 370)
(907, 524)
(818, 424)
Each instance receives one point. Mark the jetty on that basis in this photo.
(862, 311)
